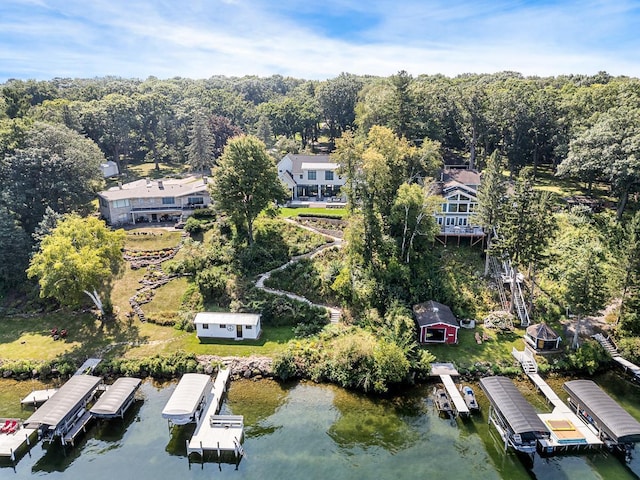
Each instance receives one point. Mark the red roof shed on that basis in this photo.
(436, 323)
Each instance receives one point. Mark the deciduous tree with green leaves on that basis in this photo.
(246, 181)
(80, 254)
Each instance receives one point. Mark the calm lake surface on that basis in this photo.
(311, 431)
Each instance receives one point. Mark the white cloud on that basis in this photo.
(237, 37)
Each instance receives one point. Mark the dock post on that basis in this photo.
(218, 450)
(12, 454)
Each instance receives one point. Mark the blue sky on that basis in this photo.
(43, 39)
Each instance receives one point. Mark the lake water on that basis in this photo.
(308, 431)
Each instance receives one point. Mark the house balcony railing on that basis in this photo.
(451, 230)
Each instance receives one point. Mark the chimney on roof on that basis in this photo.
(205, 179)
(160, 185)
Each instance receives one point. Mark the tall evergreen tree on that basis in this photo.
(201, 144)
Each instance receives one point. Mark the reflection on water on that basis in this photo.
(311, 431)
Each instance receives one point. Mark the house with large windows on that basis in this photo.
(310, 177)
(169, 199)
(459, 189)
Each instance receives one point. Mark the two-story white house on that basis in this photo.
(459, 190)
(310, 177)
(169, 199)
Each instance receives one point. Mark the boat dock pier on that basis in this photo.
(446, 371)
(12, 445)
(214, 432)
(38, 397)
(613, 424)
(610, 347)
(567, 430)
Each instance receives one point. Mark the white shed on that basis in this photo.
(238, 326)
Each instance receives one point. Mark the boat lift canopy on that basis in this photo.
(606, 413)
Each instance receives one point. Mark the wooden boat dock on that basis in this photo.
(38, 397)
(446, 371)
(218, 433)
(65, 410)
(568, 431)
(12, 445)
(614, 425)
(458, 402)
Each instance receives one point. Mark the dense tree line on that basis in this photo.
(389, 131)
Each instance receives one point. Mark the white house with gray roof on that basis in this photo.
(170, 199)
(310, 177)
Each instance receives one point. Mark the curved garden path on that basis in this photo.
(335, 313)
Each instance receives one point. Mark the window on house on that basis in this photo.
(222, 325)
(463, 208)
(464, 197)
(301, 176)
(439, 220)
(195, 200)
(311, 174)
(453, 208)
(168, 200)
(472, 207)
(450, 221)
(444, 207)
(205, 326)
(121, 203)
(328, 175)
(248, 327)
(462, 221)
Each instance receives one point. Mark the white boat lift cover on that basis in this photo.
(115, 398)
(187, 398)
(65, 401)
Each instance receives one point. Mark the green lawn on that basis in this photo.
(151, 239)
(496, 350)
(294, 212)
(272, 340)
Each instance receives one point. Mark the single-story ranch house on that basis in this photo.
(238, 326)
(169, 199)
(436, 323)
(310, 177)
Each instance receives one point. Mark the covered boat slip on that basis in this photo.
(513, 416)
(188, 399)
(606, 415)
(57, 416)
(117, 398)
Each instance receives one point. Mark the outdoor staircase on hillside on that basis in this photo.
(506, 274)
(607, 344)
(528, 363)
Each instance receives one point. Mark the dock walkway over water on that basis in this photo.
(446, 371)
(611, 348)
(38, 397)
(567, 430)
(11, 445)
(218, 433)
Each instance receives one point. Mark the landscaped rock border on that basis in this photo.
(241, 367)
